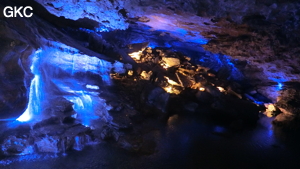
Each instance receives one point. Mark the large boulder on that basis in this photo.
(289, 105)
(158, 98)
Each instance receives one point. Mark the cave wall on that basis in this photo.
(19, 39)
(13, 75)
(110, 13)
(271, 25)
(113, 14)
(15, 72)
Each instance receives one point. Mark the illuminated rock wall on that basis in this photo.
(106, 12)
(20, 40)
(60, 71)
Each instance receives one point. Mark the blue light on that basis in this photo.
(99, 29)
(199, 41)
(102, 29)
(258, 102)
(218, 61)
(270, 132)
(94, 87)
(35, 94)
(47, 84)
(182, 31)
(77, 145)
(152, 45)
(84, 106)
(279, 81)
(280, 86)
(27, 115)
(86, 30)
(167, 45)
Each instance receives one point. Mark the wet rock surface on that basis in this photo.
(51, 138)
(288, 104)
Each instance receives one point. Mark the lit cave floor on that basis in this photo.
(184, 142)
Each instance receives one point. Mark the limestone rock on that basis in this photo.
(109, 133)
(17, 145)
(48, 144)
(158, 98)
(170, 62)
(143, 19)
(105, 12)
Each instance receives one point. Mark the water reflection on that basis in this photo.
(188, 142)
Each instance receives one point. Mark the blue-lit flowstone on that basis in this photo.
(61, 73)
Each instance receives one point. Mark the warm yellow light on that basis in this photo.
(172, 82)
(168, 89)
(165, 66)
(145, 75)
(130, 72)
(202, 89)
(221, 89)
(270, 108)
(136, 55)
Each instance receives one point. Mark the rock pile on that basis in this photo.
(52, 137)
(193, 84)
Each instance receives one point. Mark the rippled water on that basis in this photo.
(184, 142)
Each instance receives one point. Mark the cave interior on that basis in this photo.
(150, 84)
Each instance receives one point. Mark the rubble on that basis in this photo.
(136, 55)
(208, 87)
(49, 137)
(170, 62)
(145, 75)
(17, 145)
